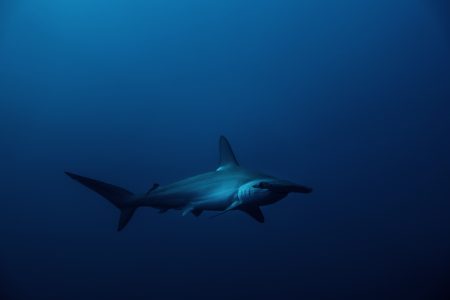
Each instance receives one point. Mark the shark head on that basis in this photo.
(267, 191)
(250, 193)
(262, 189)
(257, 190)
(282, 186)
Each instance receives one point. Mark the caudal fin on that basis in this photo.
(119, 197)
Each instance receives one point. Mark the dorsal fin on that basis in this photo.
(227, 158)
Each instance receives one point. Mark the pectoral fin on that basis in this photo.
(253, 211)
(232, 206)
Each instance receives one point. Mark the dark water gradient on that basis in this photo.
(442, 9)
(351, 98)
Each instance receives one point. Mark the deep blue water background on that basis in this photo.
(349, 97)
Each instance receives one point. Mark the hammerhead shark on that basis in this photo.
(229, 187)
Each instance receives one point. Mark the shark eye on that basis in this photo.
(262, 185)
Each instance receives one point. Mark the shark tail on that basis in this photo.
(121, 198)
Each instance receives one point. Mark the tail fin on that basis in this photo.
(119, 197)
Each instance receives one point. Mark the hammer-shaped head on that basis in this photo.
(283, 186)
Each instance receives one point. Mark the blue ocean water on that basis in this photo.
(349, 97)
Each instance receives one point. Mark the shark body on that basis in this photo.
(230, 187)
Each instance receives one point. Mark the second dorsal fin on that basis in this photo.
(154, 187)
(226, 158)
